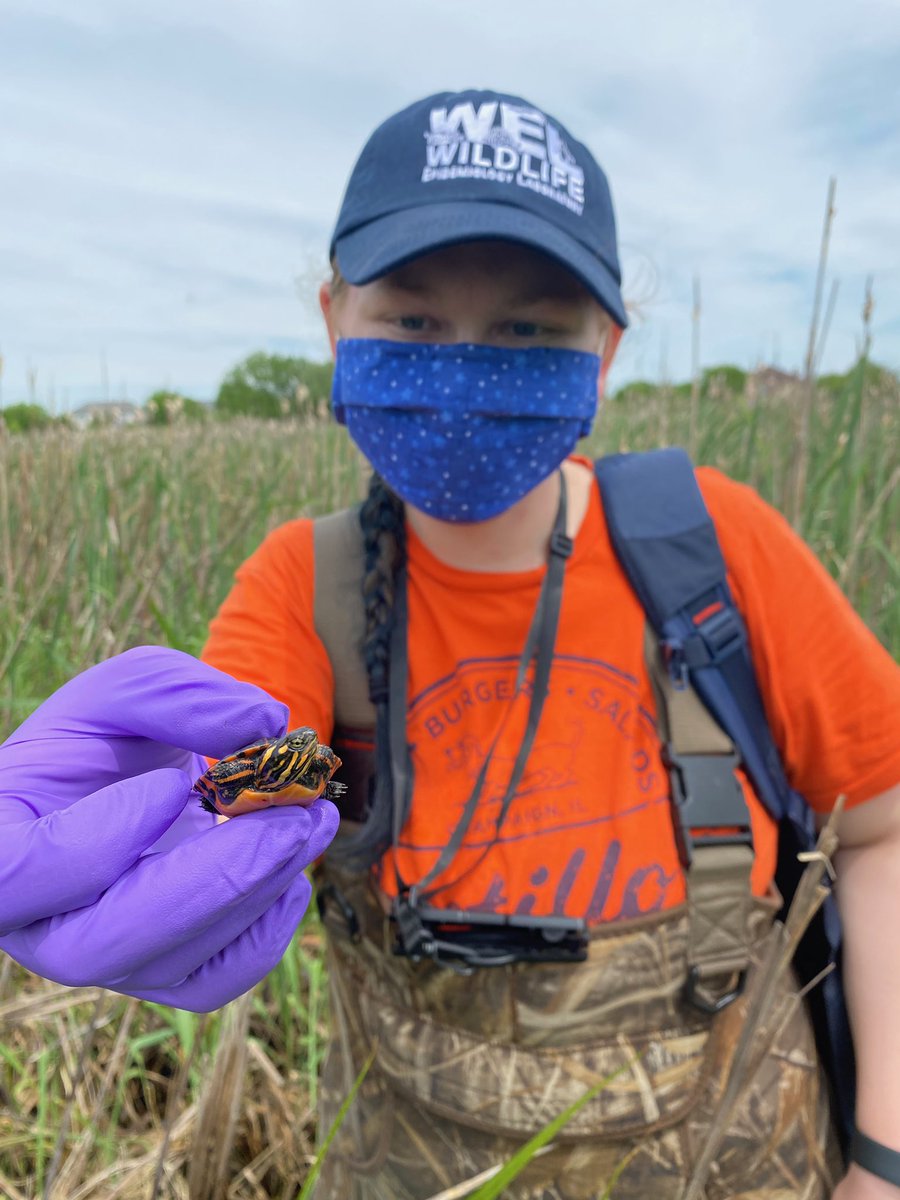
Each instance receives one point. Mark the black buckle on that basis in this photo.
(561, 544)
(707, 1003)
(462, 941)
(721, 634)
(706, 795)
(413, 939)
(332, 892)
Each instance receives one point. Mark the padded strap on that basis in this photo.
(339, 614)
(666, 543)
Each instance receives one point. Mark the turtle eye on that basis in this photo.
(300, 737)
(302, 741)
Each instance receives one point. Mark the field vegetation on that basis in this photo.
(115, 537)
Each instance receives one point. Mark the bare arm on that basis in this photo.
(868, 893)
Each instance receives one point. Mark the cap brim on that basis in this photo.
(388, 242)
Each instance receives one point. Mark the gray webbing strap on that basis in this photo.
(539, 645)
(339, 613)
(718, 875)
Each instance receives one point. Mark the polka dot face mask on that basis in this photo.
(463, 432)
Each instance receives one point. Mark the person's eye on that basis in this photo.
(524, 329)
(412, 324)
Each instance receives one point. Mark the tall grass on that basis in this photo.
(849, 511)
(118, 537)
(114, 538)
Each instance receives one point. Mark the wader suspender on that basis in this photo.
(712, 832)
(708, 706)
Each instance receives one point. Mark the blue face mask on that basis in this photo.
(463, 432)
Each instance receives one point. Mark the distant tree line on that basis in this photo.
(275, 387)
(21, 418)
(728, 383)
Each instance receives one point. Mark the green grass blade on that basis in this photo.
(309, 1182)
(520, 1160)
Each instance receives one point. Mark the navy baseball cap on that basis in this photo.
(468, 166)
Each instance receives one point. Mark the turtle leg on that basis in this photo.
(203, 790)
(224, 781)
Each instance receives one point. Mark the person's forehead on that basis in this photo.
(507, 264)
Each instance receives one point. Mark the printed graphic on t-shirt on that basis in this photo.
(505, 143)
(593, 785)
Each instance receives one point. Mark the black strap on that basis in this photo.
(540, 642)
(872, 1156)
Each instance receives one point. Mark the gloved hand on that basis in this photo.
(107, 878)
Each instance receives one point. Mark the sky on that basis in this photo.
(170, 172)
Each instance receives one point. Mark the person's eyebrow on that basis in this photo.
(562, 293)
(396, 282)
(551, 295)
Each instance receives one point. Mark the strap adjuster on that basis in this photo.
(706, 795)
(717, 637)
(413, 940)
(561, 544)
(695, 993)
(416, 941)
(709, 643)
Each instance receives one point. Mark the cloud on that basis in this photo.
(171, 174)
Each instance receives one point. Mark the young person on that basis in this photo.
(474, 311)
(507, 782)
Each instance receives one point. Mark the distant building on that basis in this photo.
(107, 412)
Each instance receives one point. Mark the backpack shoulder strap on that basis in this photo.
(339, 615)
(666, 543)
(669, 551)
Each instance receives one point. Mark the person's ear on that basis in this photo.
(326, 304)
(613, 337)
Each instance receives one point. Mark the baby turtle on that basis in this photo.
(293, 769)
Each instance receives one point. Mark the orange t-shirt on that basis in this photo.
(589, 831)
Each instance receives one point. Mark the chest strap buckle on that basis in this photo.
(708, 805)
(711, 822)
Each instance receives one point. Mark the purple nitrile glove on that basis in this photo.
(107, 877)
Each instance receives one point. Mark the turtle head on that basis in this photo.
(320, 770)
(302, 743)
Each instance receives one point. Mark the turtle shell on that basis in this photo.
(293, 769)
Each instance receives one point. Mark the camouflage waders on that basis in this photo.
(467, 1069)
